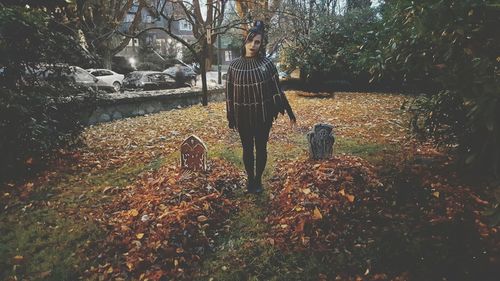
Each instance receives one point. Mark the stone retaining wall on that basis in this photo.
(128, 104)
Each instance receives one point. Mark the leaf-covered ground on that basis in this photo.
(385, 208)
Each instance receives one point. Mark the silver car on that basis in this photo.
(109, 77)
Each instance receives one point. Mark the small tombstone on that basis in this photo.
(321, 141)
(193, 154)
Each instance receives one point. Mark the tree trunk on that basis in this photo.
(106, 59)
(209, 55)
(303, 75)
(203, 69)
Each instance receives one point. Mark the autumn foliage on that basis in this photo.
(165, 222)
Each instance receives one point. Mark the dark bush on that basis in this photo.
(37, 117)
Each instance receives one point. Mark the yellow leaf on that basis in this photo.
(139, 235)
(110, 270)
(436, 194)
(317, 214)
(306, 191)
(298, 209)
(18, 259)
(130, 266)
(133, 213)
(342, 192)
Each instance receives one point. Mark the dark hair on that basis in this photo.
(257, 29)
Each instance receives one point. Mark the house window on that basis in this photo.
(133, 42)
(129, 17)
(228, 55)
(185, 25)
(160, 42)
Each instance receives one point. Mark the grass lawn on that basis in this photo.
(79, 218)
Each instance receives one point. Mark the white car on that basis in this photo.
(109, 77)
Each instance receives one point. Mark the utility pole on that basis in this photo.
(219, 74)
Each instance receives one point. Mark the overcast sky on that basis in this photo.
(203, 6)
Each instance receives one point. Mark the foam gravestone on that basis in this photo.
(321, 141)
(193, 154)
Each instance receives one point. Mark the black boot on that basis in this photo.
(250, 185)
(258, 186)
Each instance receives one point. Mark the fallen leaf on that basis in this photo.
(18, 259)
(317, 214)
(133, 213)
(202, 218)
(139, 235)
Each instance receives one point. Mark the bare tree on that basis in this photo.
(101, 21)
(206, 27)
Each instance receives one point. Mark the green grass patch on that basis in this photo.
(230, 154)
(49, 243)
(118, 177)
(372, 152)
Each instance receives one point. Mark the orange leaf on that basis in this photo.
(350, 197)
(300, 226)
(317, 214)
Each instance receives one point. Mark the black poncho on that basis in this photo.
(253, 95)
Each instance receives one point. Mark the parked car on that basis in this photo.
(148, 80)
(109, 77)
(72, 74)
(183, 75)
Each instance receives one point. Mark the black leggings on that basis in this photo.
(258, 137)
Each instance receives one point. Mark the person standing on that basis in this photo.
(253, 101)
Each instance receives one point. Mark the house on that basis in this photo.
(156, 40)
(159, 42)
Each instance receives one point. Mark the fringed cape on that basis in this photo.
(253, 95)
